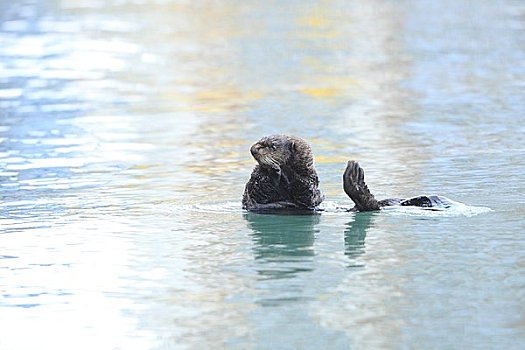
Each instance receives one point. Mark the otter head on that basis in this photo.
(282, 152)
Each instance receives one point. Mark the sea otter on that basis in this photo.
(285, 178)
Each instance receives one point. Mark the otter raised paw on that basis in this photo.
(355, 187)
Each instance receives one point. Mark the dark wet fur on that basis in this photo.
(285, 177)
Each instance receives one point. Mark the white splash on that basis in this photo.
(453, 208)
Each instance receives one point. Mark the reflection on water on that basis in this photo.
(283, 244)
(355, 235)
(125, 129)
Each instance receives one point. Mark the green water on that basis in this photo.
(125, 129)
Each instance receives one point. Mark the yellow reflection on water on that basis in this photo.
(222, 99)
(322, 92)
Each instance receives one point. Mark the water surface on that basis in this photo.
(124, 135)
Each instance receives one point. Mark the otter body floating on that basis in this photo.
(285, 180)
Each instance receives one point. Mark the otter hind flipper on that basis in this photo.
(431, 201)
(420, 201)
(355, 187)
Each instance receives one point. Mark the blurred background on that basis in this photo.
(124, 135)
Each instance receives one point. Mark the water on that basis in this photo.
(124, 136)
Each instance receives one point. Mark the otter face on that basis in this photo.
(272, 151)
